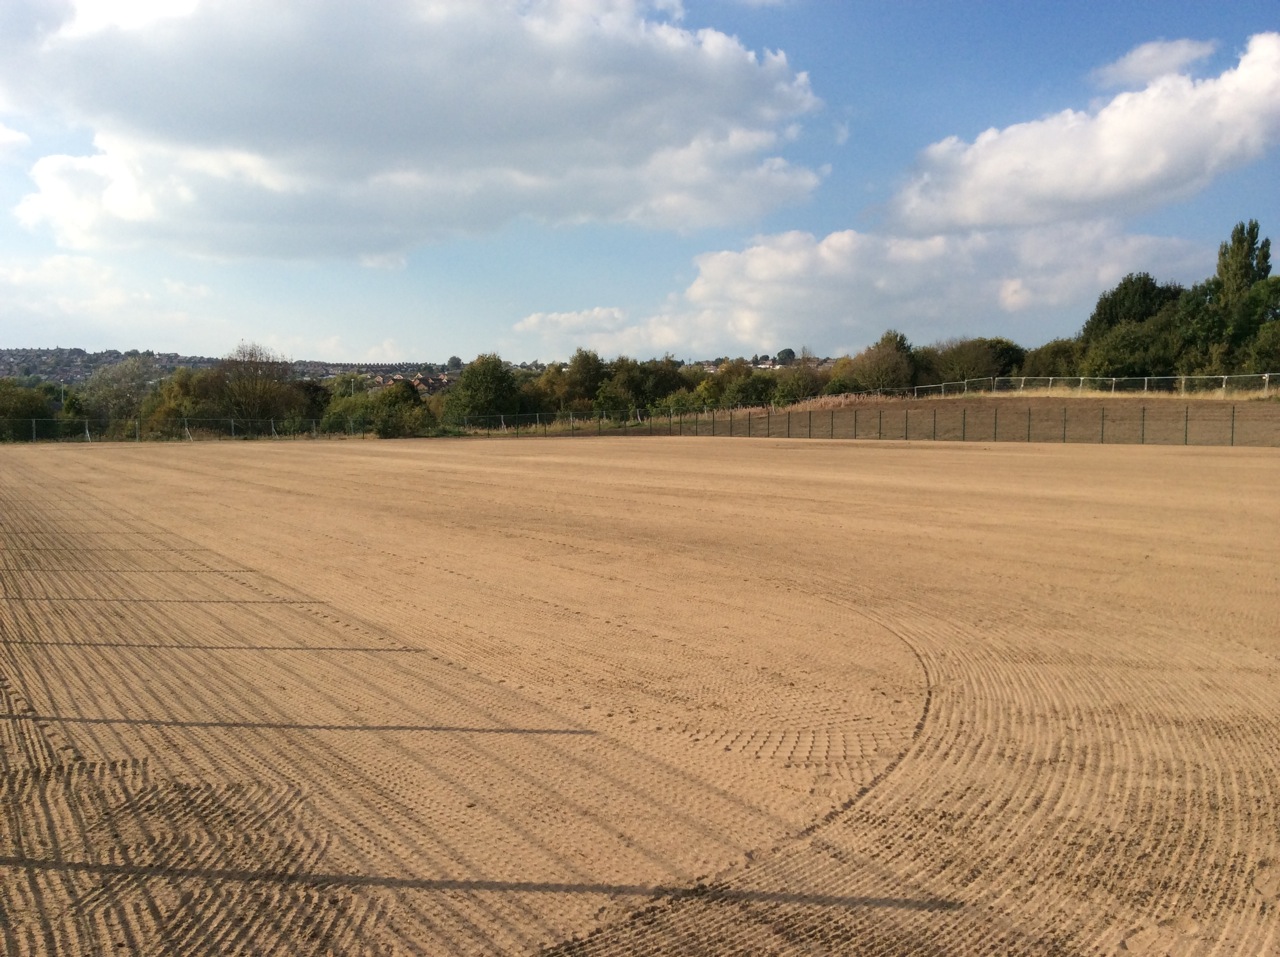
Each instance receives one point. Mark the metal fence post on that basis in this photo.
(995, 424)
(1233, 425)
(935, 423)
(880, 424)
(1102, 428)
(1028, 425)
(1142, 433)
(855, 421)
(964, 424)
(1186, 424)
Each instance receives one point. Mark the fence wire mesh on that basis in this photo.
(989, 417)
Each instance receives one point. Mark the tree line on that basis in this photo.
(1226, 324)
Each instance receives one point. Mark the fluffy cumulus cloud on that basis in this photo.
(1140, 150)
(1013, 234)
(239, 128)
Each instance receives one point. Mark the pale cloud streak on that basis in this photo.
(12, 140)
(1150, 61)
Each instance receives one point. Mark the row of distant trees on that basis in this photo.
(1223, 325)
(1226, 324)
(252, 385)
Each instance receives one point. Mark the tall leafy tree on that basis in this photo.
(485, 387)
(1243, 260)
(1244, 265)
(118, 391)
(889, 364)
(960, 359)
(1058, 357)
(583, 376)
(1136, 298)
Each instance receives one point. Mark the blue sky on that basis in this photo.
(416, 179)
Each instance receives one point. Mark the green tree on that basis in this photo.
(843, 378)
(785, 357)
(185, 394)
(659, 378)
(800, 380)
(485, 387)
(1136, 298)
(886, 365)
(583, 375)
(754, 390)
(350, 383)
(117, 392)
(1131, 349)
(398, 412)
(960, 359)
(258, 383)
(1008, 355)
(18, 406)
(1056, 358)
(1264, 350)
(1243, 261)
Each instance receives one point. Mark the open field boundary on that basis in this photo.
(991, 417)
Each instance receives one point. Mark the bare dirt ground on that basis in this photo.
(632, 695)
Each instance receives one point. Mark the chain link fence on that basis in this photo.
(989, 417)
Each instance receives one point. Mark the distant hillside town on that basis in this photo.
(75, 366)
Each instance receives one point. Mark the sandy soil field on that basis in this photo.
(641, 696)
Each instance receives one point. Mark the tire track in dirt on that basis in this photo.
(1094, 777)
(918, 727)
(388, 838)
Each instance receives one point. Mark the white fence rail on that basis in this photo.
(1204, 385)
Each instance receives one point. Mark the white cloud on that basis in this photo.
(75, 300)
(599, 319)
(330, 128)
(841, 291)
(11, 139)
(91, 16)
(1138, 151)
(73, 284)
(1150, 61)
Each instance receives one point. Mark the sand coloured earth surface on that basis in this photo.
(633, 695)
